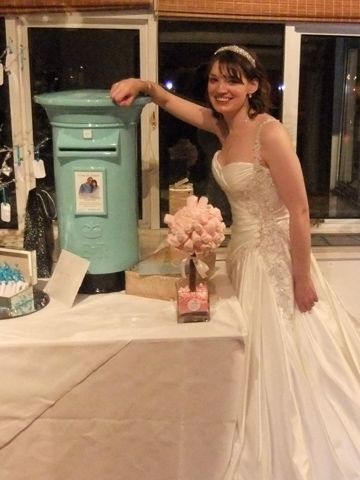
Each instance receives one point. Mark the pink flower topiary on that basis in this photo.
(196, 228)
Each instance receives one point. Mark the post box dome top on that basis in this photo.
(83, 98)
(89, 107)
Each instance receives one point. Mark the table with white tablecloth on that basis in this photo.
(115, 389)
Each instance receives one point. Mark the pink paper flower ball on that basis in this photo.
(196, 228)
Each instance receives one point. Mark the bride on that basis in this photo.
(299, 418)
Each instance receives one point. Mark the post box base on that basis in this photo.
(103, 283)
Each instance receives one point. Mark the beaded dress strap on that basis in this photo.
(257, 146)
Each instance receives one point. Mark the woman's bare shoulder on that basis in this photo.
(272, 130)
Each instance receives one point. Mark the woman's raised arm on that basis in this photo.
(125, 92)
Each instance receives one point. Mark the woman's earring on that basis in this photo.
(250, 95)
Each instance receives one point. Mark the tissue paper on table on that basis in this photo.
(156, 276)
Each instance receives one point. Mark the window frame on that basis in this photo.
(146, 23)
(20, 96)
(292, 47)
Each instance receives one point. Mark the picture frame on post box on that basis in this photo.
(90, 192)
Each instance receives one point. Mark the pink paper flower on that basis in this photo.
(196, 228)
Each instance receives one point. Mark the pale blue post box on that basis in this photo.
(95, 164)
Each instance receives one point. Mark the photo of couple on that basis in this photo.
(89, 192)
(90, 186)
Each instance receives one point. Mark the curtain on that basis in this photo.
(51, 6)
(252, 10)
(265, 10)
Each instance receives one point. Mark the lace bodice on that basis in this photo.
(260, 220)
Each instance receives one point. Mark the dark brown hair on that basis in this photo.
(237, 66)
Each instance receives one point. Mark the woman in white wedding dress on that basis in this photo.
(299, 418)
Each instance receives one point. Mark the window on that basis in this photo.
(328, 124)
(184, 49)
(67, 52)
(56, 65)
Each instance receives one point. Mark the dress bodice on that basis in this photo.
(251, 193)
(255, 203)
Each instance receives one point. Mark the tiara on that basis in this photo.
(238, 50)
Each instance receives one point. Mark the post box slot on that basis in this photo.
(108, 149)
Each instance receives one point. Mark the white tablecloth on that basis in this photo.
(116, 389)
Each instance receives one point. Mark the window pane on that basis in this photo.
(349, 173)
(71, 59)
(328, 141)
(6, 140)
(184, 49)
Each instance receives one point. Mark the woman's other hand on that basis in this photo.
(305, 295)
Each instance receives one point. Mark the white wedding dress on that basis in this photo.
(299, 418)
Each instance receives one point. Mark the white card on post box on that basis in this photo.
(67, 277)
